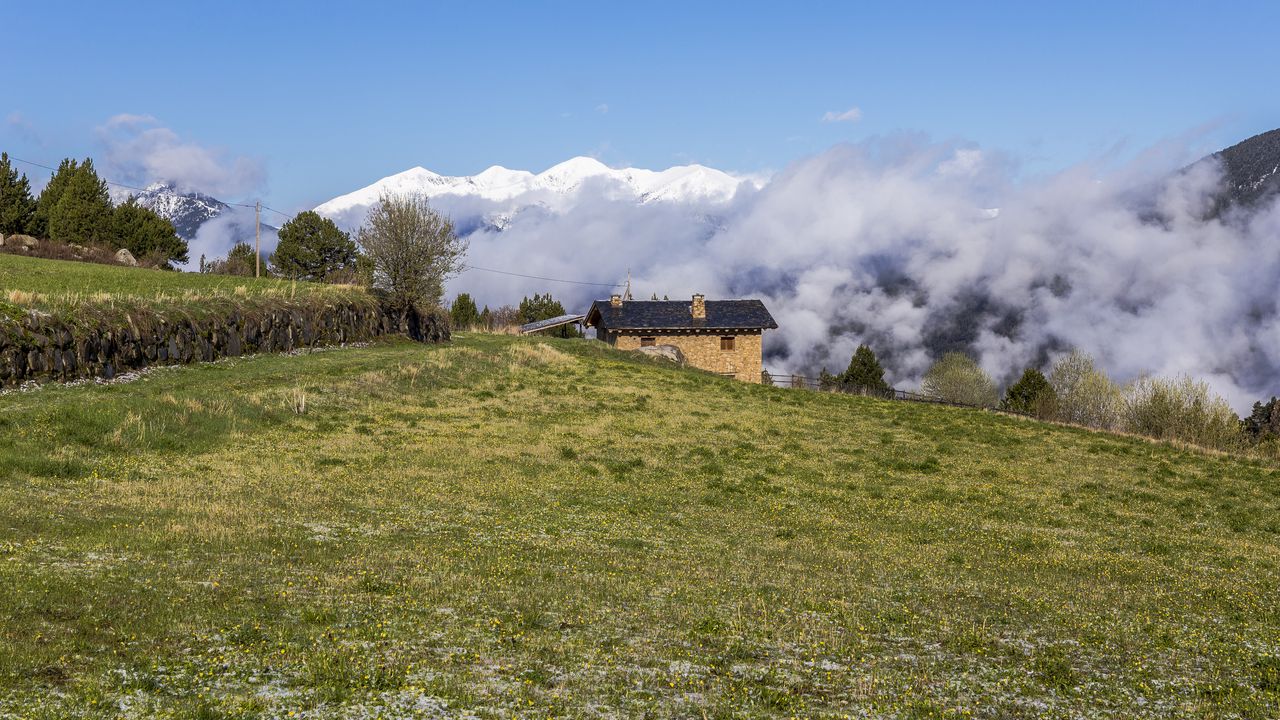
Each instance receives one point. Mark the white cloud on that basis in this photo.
(138, 150)
(895, 242)
(853, 114)
(603, 108)
(23, 128)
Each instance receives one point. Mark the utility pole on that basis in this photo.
(257, 239)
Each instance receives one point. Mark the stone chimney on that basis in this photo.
(699, 307)
(615, 300)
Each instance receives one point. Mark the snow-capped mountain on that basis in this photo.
(186, 210)
(510, 190)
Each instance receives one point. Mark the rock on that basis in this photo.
(124, 257)
(23, 241)
(663, 352)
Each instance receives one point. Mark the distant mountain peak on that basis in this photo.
(186, 210)
(498, 184)
(1250, 172)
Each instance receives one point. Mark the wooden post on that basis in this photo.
(257, 239)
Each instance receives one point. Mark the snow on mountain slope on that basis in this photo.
(186, 210)
(687, 183)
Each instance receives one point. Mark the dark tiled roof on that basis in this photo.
(675, 315)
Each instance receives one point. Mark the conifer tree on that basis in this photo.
(544, 307)
(864, 373)
(17, 207)
(313, 248)
(1032, 394)
(463, 313)
(146, 235)
(50, 195)
(75, 206)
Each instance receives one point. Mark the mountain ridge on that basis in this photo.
(681, 183)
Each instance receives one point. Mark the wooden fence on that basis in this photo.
(810, 383)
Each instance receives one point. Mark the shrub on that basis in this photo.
(957, 378)
(240, 261)
(1180, 409)
(1032, 394)
(1085, 395)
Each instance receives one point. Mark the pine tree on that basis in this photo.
(50, 195)
(17, 207)
(313, 248)
(463, 313)
(75, 206)
(544, 307)
(146, 235)
(1264, 421)
(864, 373)
(1032, 394)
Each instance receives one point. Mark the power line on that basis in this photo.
(164, 191)
(282, 214)
(539, 277)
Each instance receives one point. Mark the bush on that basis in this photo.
(1180, 409)
(1032, 394)
(1085, 395)
(957, 378)
(240, 261)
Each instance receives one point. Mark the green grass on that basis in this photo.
(541, 528)
(56, 279)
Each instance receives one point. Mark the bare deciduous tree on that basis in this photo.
(413, 248)
(957, 378)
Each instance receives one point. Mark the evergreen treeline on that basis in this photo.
(1076, 391)
(74, 208)
(465, 316)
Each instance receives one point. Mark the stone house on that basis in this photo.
(721, 336)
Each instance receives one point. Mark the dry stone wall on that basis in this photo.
(703, 350)
(38, 346)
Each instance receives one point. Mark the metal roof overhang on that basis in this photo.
(549, 323)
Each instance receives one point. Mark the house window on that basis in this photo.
(647, 342)
(726, 343)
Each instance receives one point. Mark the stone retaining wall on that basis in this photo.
(37, 346)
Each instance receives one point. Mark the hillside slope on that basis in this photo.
(57, 278)
(526, 528)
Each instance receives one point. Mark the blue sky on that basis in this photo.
(320, 99)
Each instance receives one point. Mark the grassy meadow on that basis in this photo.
(531, 528)
(42, 282)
